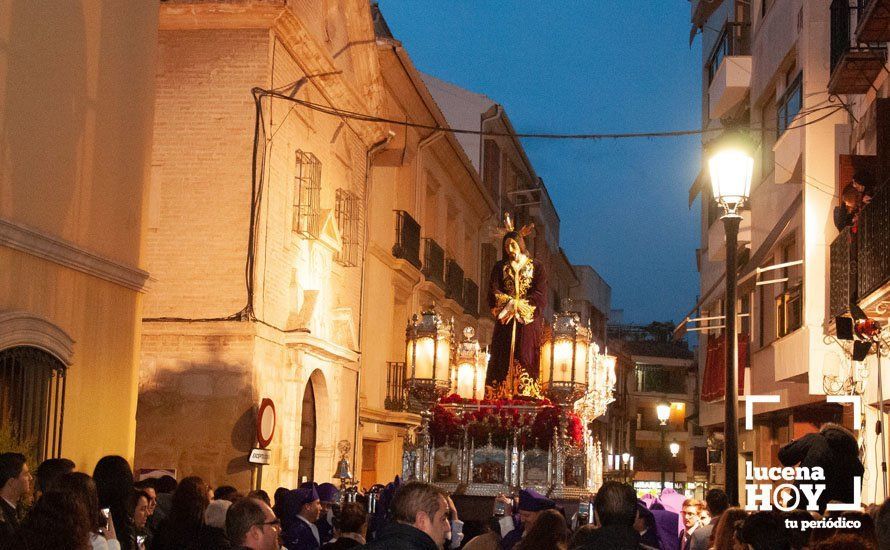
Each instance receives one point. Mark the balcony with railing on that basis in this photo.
(396, 398)
(407, 244)
(434, 262)
(454, 281)
(471, 297)
(859, 262)
(874, 21)
(854, 64)
(729, 69)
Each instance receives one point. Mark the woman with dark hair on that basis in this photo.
(114, 485)
(184, 528)
(730, 521)
(549, 531)
(82, 487)
(57, 521)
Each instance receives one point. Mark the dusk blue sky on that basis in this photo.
(591, 66)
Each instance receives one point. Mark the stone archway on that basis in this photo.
(317, 429)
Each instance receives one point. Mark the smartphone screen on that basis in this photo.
(499, 508)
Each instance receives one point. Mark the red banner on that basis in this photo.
(713, 385)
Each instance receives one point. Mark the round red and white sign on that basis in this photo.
(265, 422)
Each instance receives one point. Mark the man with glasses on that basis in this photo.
(251, 524)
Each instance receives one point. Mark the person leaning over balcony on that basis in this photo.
(846, 214)
(864, 182)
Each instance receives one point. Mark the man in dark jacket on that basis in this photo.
(251, 524)
(615, 509)
(15, 481)
(420, 520)
(834, 449)
(300, 511)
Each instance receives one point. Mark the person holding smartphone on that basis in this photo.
(513, 528)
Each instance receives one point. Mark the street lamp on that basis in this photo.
(625, 465)
(675, 449)
(663, 410)
(731, 168)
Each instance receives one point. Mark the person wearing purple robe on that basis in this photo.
(517, 296)
(300, 510)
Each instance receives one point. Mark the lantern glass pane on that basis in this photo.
(466, 378)
(731, 171)
(479, 386)
(545, 362)
(443, 360)
(562, 360)
(581, 363)
(423, 358)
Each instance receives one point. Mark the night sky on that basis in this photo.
(594, 66)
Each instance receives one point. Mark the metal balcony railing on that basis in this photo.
(874, 243)
(869, 269)
(434, 262)
(396, 397)
(407, 244)
(734, 39)
(839, 274)
(454, 280)
(471, 297)
(853, 64)
(873, 23)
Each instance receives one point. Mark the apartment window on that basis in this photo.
(661, 379)
(788, 311)
(32, 398)
(789, 105)
(347, 211)
(307, 195)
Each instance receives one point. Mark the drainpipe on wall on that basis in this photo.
(418, 189)
(361, 300)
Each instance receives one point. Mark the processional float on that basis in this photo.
(528, 423)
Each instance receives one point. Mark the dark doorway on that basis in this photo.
(306, 470)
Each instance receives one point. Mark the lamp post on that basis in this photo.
(675, 449)
(663, 410)
(625, 462)
(731, 168)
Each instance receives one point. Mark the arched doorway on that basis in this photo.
(32, 398)
(306, 469)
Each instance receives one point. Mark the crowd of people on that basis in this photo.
(58, 508)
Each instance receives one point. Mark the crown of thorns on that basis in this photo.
(525, 231)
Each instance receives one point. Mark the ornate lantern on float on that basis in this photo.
(564, 358)
(470, 367)
(427, 359)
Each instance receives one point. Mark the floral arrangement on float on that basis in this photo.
(532, 421)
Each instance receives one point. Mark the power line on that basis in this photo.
(364, 117)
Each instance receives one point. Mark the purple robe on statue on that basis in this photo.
(533, 288)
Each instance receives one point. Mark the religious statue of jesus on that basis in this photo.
(517, 295)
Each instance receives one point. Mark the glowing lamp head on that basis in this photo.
(731, 170)
(675, 448)
(663, 410)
